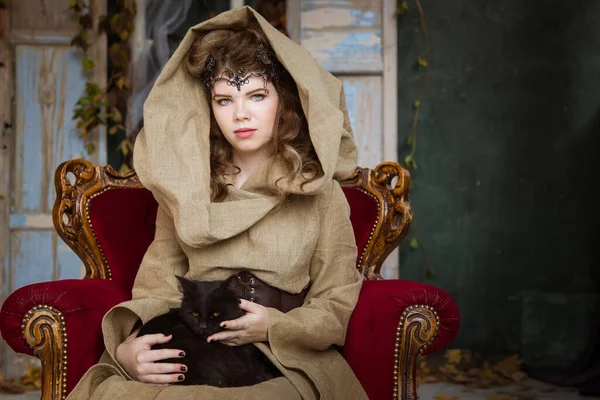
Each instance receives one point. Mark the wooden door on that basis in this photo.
(41, 79)
(356, 41)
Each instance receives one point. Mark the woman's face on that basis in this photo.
(247, 116)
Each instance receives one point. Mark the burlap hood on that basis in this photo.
(171, 154)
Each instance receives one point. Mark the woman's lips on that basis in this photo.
(244, 133)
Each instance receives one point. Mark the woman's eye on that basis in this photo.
(195, 314)
(258, 97)
(223, 102)
(216, 314)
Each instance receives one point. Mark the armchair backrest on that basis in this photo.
(108, 218)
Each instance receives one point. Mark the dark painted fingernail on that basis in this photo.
(180, 378)
(183, 369)
(182, 354)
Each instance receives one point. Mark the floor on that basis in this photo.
(530, 390)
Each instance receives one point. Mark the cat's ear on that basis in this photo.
(185, 285)
(233, 286)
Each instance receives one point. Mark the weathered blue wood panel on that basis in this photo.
(344, 36)
(49, 82)
(363, 99)
(68, 265)
(32, 258)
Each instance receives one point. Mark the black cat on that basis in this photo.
(204, 306)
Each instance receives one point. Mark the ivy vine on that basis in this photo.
(105, 105)
(422, 63)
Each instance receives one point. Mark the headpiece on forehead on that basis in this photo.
(270, 71)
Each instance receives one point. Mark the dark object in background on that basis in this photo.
(584, 374)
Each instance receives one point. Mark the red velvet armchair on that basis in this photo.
(108, 220)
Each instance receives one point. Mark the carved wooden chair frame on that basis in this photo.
(78, 181)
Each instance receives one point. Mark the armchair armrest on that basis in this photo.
(37, 320)
(393, 323)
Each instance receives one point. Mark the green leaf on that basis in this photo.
(123, 82)
(402, 9)
(430, 273)
(76, 5)
(1, 197)
(131, 6)
(414, 243)
(124, 168)
(409, 141)
(87, 64)
(115, 115)
(113, 129)
(90, 147)
(416, 104)
(92, 89)
(125, 147)
(422, 62)
(410, 162)
(103, 24)
(118, 56)
(86, 21)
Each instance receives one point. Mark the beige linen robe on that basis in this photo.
(308, 242)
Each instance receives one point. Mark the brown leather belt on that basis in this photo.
(257, 291)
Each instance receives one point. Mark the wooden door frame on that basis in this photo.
(6, 118)
(389, 75)
(389, 79)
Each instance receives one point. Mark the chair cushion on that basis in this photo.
(124, 221)
(363, 215)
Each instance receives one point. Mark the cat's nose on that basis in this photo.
(203, 325)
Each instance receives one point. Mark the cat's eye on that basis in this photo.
(216, 314)
(195, 314)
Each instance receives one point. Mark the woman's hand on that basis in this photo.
(250, 328)
(136, 356)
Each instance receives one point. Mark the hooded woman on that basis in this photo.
(245, 139)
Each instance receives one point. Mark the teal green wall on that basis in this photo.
(502, 197)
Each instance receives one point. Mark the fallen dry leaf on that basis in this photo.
(453, 356)
(466, 368)
(509, 366)
(444, 397)
(501, 397)
(31, 381)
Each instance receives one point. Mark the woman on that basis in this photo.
(245, 139)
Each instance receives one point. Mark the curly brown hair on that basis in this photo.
(236, 50)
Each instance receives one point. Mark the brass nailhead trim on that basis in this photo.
(252, 289)
(399, 335)
(63, 331)
(372, 233)
(87, 216)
